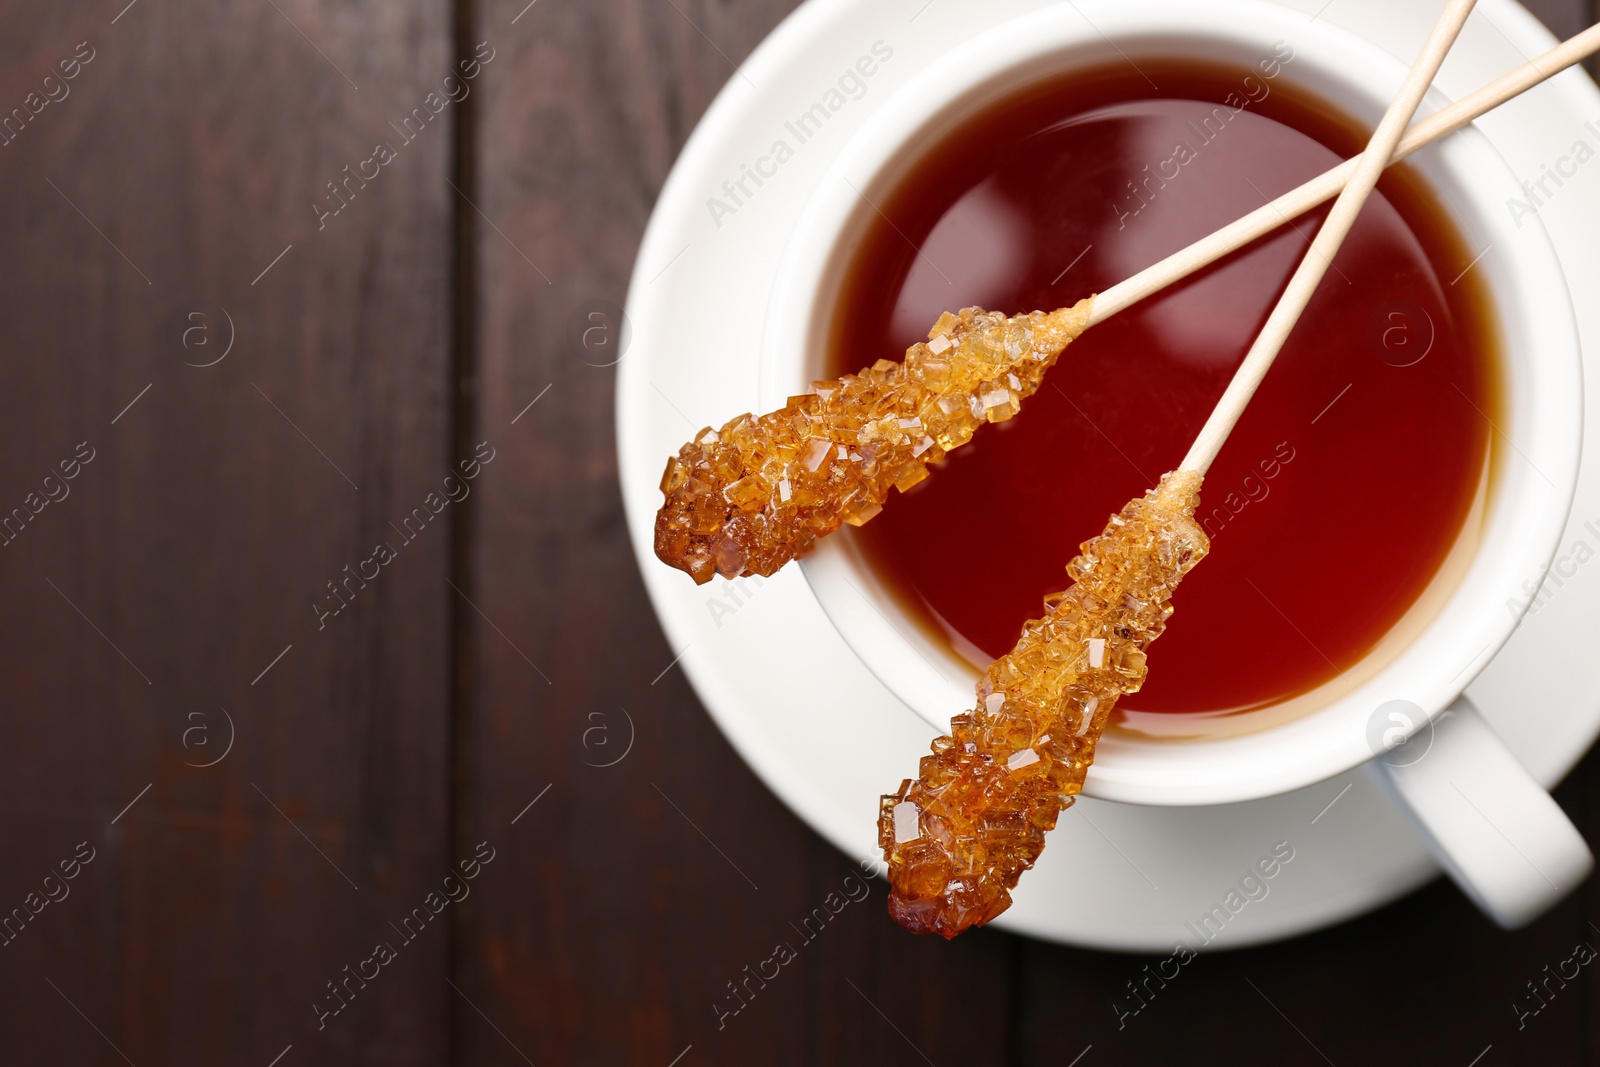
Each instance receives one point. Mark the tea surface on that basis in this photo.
(1346, 483)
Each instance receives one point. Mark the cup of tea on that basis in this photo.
(1406, 470)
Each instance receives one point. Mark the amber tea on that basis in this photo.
(1347, 484)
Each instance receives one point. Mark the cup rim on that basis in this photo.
(1539, 338)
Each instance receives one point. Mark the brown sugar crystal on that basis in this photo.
(959, 836)
(757, 493)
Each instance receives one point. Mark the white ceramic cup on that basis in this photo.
(1493, 828)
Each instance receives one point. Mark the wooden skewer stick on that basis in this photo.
(1325, 186)
(1341, 217)
(1209, 249)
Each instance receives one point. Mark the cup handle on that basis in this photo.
(1496, 831)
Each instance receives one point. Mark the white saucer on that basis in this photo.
(829, 741)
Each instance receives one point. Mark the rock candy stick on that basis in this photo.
(682, 539)
(757, 493)
(959, 836)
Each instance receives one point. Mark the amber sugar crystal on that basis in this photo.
(959, 836)
(748, 498)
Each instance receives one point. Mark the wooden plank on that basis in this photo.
(175, 178)
(615, 926)
(1427, 980)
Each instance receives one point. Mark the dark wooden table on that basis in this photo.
(244, 747)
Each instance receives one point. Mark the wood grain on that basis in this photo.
(184, 160)
(616, 877)
(423, 719)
